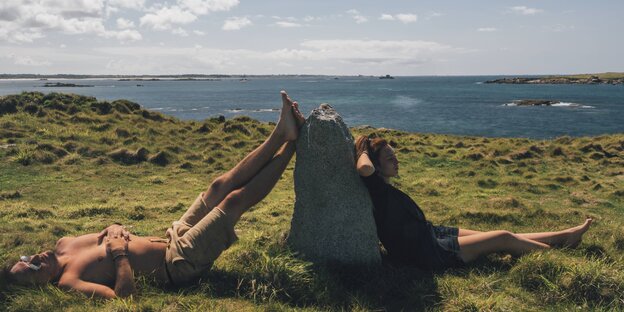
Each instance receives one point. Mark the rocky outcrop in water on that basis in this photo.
(558, 80)
(333, 217)
(535, 102)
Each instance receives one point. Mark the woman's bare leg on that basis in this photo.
(285, 130)
(567, 238)
(466, 232)
(477, 245)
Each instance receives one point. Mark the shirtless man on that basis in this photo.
(104, 264)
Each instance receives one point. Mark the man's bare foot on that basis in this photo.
(575, 234)
(298, 115)
(287, 124)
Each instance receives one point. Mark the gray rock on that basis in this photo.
(333, 217)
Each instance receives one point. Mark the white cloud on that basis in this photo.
(359, 18)
(180, 32)
(404, 18)
(123, 35)
(285, 24)
(202, 7)
(26, 60)
(431, 15)
(487, 29)
(199, 32)
(526, 10)
(128, 4)
(377, 52)
(407, 52)
(164, 18)
(26, 21)
(236, 23)
(123, 23)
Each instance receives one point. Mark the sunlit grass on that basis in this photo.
(66, 168)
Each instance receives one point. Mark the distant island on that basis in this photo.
(602, 78)
(182, 77)
(64, 85)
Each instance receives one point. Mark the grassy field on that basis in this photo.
(604, 76)
(71, 165)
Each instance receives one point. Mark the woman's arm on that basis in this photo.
(364, 165)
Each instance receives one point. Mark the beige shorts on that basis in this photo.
(196, 241)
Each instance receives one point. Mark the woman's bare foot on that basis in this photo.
(575, 234)
(298, 115)
(287, 124)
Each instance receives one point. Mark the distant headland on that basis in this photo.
(601, 78)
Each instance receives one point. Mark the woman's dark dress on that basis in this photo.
(404, 231)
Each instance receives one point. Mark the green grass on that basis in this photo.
(607, 75)
(69, 182)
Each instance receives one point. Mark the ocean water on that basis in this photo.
(449, 105)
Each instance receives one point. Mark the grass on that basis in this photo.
(78, 164)
(607, 75)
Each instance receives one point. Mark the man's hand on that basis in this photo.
(116, 246)
(114, 231)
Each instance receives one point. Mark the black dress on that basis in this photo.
(405, 232)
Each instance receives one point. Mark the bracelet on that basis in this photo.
(119, 255)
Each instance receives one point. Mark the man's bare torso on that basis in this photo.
(84, 257)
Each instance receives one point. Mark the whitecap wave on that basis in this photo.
(560, 104)
(261, 110)
(570, 104)
(406, 101)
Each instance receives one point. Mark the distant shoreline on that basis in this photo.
(602, 78)
(190, 77)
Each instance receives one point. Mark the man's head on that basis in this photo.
(37, 269)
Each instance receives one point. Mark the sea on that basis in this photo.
(458, 105)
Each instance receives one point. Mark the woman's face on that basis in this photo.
(388, 163)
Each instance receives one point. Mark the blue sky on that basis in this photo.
(397, 37)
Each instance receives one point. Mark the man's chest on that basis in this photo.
(89, 261)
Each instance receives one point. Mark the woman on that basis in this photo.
(408, 236)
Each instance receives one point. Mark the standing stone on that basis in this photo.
(333, 216)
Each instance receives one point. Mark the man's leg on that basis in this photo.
(286, 130)
(195, 248)
(240, 200)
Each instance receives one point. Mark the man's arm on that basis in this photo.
(124, 282)
(117, 247)
(87, 288)
(124, 278)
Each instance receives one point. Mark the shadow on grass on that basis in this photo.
(336, 287)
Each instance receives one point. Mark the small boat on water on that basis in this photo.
(386, 77)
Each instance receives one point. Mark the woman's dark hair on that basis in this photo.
(371, 146)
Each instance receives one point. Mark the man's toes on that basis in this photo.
(286, 101)
(298, 114)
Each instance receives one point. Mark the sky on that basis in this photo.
(397, 37)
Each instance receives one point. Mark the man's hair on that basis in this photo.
(6, 277)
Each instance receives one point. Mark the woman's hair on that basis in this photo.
(371, 146)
